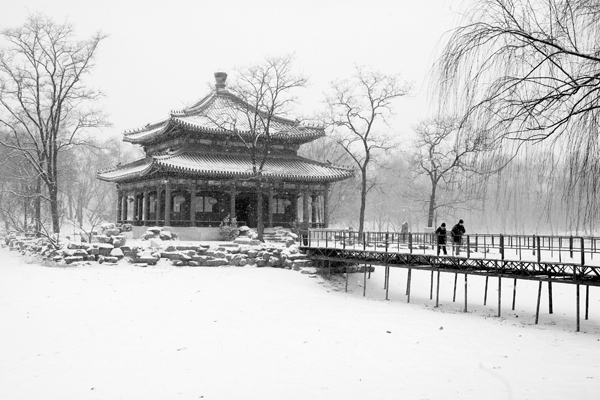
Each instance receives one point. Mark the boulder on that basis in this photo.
(118, 241)
(116, 252)
(72, 259)
(166, 235)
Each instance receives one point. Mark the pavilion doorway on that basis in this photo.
(246, 209)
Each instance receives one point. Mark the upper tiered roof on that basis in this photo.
(217, 115)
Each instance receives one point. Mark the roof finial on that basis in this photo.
(220, 78)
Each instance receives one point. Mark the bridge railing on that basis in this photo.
(577, 249)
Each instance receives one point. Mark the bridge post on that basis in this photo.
(539, 252)
(410, 242)
(466, 275)
(550, 308)
(571, 246)
(455, 280)
(537, 308)
(514, 293)
(582, 251)
(587, 300)
(468, 247)
(437, 290)
(485, 292)
(499, 296)
(502, 247)
(408, 285)
(577, 295)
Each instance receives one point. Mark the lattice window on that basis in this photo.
(280, 205)
(205, 204)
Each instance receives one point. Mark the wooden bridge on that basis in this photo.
(551, 259)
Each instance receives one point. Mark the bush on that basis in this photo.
(229, 228)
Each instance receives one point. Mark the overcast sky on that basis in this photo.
(160, 55)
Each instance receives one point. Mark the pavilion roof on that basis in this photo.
(224, 114)
(227, 166)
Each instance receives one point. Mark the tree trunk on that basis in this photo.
(431, 206)
(38, 205)
(54, 210)
(25, 205)
(260, 225)
(363, 200)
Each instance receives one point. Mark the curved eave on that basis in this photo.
(134, 170)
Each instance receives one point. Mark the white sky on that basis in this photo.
(161, 55)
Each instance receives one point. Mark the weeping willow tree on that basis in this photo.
(525, 74)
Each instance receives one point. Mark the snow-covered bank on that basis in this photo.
(124, 332)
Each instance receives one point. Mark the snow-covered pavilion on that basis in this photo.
(196, 171)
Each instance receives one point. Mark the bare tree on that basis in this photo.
(267, 93)
(44, 105)
(358, 109)
(340, 196)
(527, 72)
(443, 153)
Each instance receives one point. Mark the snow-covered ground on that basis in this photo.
(125, 332)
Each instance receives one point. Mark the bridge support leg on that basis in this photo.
(346, 277)
(514, 294)
(550, 308)
(587, 300)
(408, 285)
(499, 296)
(455, 280)
(577, 295)
(365, 280)
(387, 282)
(537, 308)
(431, 287)
(437, 290)
(485, 291)
(466, 275)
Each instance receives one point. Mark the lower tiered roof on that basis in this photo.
(227, 166)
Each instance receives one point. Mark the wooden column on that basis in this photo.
(119, 212)
(305, 206)
(158, 200)
(232, 202)
(124, 206)
(326, 207)
(135, 207)
(271, 205)
(145, 203)
(193, 190)
(168, 203)
(294, 205)
(314, 205)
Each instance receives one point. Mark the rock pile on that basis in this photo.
(111, 247)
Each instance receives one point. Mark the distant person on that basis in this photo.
(441, 238)
(457, 232)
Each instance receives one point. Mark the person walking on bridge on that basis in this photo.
(457, 232)
(441, 238)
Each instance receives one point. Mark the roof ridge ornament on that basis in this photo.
(220, 78)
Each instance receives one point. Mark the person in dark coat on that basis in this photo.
(441, 238)
(457, 232)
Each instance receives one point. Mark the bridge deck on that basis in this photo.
(574, 260)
